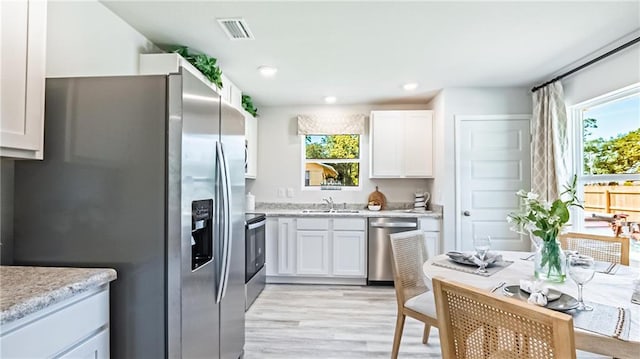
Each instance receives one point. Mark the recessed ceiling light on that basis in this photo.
(410, 86)
(267, 71)
(330, 99)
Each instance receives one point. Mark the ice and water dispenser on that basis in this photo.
(201, 233)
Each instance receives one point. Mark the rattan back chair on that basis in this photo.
(476, 324)
(413, 296)
(601, 248)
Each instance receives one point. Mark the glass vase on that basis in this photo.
(550, 262)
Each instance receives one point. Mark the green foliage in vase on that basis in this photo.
(247, 104)
(544, 219)
(204, 63)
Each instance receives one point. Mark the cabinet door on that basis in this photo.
(312, 252)
(386, 144)
(96, 347)
(418, 144)
(22, 56)
(271, 246)
(349, 254)
(432, 242)
(251, 146)
(286, 246)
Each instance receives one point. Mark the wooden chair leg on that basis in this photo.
(398, 335)
(425, 333)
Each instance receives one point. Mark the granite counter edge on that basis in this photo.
(48, 298)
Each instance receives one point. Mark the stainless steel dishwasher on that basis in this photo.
(380, 271)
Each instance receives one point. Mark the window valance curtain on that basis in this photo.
(331, 124)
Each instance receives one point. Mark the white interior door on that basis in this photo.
(494, 162)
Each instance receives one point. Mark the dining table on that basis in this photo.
(614, 289)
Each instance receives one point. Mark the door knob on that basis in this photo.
(466, 213)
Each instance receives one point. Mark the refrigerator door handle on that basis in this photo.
(221, 179)
(227, 219)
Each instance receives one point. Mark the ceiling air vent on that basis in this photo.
(236, 29)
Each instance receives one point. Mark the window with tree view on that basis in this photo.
(332, 161)
(610, 159)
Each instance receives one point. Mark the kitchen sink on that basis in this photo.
(329, 211)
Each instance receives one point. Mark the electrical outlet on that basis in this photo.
(281, 192)
(289, 192)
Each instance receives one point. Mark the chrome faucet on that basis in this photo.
(329, 202)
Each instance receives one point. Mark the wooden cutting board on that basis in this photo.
(378, 197)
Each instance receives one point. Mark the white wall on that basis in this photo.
(613, 73)
(453, 102)
(84, 38)
(280, 159)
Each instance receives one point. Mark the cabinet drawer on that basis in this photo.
(57, 330)
(430, 224)
(312, 223)
(349, 224)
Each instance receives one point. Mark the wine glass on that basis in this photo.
(482, 246)
(581, 270)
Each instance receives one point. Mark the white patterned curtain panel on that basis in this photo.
(331, 125)
(550, 142)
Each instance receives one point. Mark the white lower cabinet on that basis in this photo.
(349, 253)
(77, 327)
(316, 250)
(286, 246)
(431, 230)
(312, 256)
(95, 347)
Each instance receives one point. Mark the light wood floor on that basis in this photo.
(332, 322)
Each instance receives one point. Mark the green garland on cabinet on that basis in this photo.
(247, 104)
(204, 63)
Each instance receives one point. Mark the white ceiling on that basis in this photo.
(362, 52)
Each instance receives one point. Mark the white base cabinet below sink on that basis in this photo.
(77, 327)
(316, 250)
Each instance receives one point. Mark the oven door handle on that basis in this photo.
(257, 224)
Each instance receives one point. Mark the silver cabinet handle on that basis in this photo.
(466, 213)
(395, 225)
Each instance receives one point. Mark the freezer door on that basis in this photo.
(232, 334)
(199, 235)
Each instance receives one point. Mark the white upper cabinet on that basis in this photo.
(23, 27)
(251, 146)
(231, 93)
(401, 144)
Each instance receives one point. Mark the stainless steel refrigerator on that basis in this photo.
(144, 174)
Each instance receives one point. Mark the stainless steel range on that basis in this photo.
(254, 256)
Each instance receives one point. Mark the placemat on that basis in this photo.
(604, 319)
(495, 267)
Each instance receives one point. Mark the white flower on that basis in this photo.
(530, 227)
(554, 219)
(521, 193)
(509, 219)
(531, 196)
(546, 205)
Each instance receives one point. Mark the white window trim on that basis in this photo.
(303, 161)
(577, 145)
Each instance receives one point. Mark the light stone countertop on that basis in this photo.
(362, 213)
(25, 290)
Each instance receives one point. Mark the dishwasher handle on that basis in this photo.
(394, 225)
